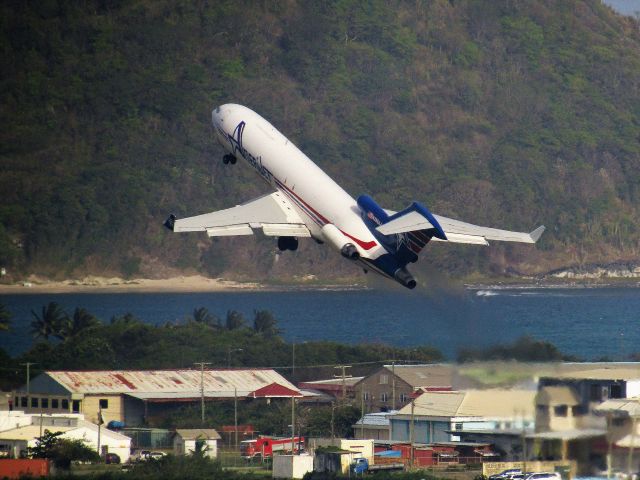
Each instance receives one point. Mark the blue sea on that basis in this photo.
(590, 323)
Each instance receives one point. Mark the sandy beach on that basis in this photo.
(195, 283)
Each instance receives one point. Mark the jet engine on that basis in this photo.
(334, 237)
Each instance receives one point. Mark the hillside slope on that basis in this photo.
(496, 112)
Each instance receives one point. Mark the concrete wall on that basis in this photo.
(188, 447)
(491, 468)
(292, 466)
(114, 411)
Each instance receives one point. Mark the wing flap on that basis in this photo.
(273, 213)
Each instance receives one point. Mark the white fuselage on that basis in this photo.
(317, 198)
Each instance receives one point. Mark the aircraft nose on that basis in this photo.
(216, 116)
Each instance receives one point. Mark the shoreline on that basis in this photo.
(200, 284)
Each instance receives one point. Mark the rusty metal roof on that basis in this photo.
(173, 383)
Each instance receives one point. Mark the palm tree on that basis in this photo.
(202, 315)
(51, 322)
(79, 321)
(235, 320)
(265, 323)
(5, 319)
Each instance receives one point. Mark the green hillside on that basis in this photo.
(501, 113)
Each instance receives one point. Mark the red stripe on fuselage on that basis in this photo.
(364, 245)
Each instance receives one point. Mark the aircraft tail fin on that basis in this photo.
(395, 229)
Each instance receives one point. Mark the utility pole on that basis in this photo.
(634, 424)
(293, 359)
(413, 404)
(333, 407)
(393, 385)
(28, 365)
(235, 414)
(362, 410)
(229, 352)
(344, 377)
(293, 424)
(202, 364)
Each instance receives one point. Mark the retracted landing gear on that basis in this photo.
(287, 243)
(228, 158)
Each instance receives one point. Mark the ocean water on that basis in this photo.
(589, 323)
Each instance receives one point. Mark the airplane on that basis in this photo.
(308, 203)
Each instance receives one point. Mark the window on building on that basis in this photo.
(617, 422)
(615, 391)
(55, 403)
(75, 406)
(65, 404)
(104, 403)
(23, 401)
(365, 395)
(44, 403)
(560, 410)
(595, 393)
(384, 379)
(34, 402)
(404, 398)
(384, 397)
(457, 426)
(578, 410)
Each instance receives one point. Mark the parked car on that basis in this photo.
(146, 455)
(506, 474)
(112, 458)
(544, 476)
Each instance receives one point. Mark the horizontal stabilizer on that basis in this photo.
(414, 218)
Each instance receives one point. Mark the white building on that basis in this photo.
(190, 441)
(19, 431)
(436, 416)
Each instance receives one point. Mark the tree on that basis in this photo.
(45, 445)
(235, 320)
(51, 322)
(79, 321)
(202, 315)
(61, 450)
(265, 323)
(5, 319)
(66, 451)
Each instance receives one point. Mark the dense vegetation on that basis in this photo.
(524, 349)
(498, 112)
(66, 341)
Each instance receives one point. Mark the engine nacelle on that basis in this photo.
(334, 237)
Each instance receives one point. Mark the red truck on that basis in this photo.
(265, 447)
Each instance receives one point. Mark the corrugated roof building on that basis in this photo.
(131, 396)
(438, 415)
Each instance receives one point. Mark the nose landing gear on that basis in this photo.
(228, 158)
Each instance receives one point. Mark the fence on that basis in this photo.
(231, 458)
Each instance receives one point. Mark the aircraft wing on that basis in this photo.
(455, 231)
(272, 213)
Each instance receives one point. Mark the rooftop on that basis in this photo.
(170, 384)
(378, 419)
(627, 371)
(198, 433)
(429, 375)
(492, 403)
